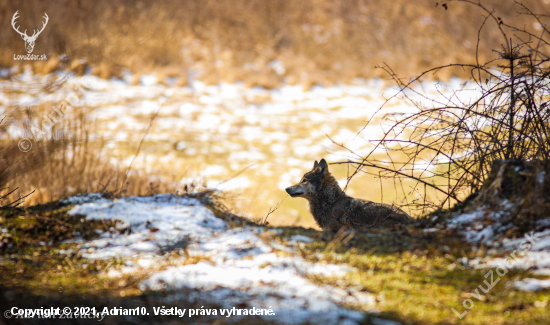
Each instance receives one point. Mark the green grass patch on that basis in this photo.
(415, 276)
(417, 280)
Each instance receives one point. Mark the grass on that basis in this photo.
(69, 158)
(419, 289)
(99, 141)
(38, 270)
(33, 261)
(317, 41)
(414, 275)
(418, 280)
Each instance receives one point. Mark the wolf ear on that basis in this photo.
(315, 164)
(323, 166)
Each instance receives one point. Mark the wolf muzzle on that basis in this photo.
(295, 191)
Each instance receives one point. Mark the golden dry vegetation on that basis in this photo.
(318, 41)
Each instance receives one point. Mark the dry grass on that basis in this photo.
(98, 147)
(318, 41)
(63, 158)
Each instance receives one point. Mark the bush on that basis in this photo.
(455, 141)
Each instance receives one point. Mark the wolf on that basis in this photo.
(332, 209)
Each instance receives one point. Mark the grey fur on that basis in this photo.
(332, 209)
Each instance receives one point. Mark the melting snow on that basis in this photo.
(530, 284)
(529, 252)
(235, 266)
(301, 238)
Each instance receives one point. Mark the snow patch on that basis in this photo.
(300, 238)
(530, 284)
(239, 266)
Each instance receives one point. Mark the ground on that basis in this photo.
(188, 252)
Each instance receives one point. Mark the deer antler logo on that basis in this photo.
(29, 40)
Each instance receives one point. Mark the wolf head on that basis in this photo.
(312, 181)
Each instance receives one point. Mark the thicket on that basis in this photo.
(501, 112)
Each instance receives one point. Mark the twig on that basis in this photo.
(19, 201)
(236, 174)
(271, 210)
(141, 143)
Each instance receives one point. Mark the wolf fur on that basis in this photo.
(332, 209)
